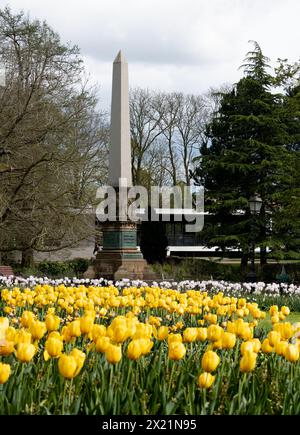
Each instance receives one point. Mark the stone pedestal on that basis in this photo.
(120, 257)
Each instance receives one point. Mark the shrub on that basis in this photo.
(53, 268)
(79, 265)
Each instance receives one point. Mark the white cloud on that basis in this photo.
(172, 45)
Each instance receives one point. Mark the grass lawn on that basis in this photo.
(267, 324)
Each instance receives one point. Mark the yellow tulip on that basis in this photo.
(273, 310)
(286, 330)
(98, 331)
(232, 308)
(143, 331)
(214, 332)
(38, 329)
(162, 332)
(4, 323)
(248, 362)
(113, 353)
(243, 330)
(217, 344)
(131, 323)
(212, 319)
(10, 333)
(79, 358)
(205, 380)
(202, 334)
(55, 334)
(256, 314)
(4, 372)
(90, 313)
(54, 347)
(266, 347)
(65, 333)
(134, 350)
(86, 324)
(228, 340)
(25, 352)
(156, 321)
(275, 318)
(146, 345)
(102, 343)
(280, 347)
(256, 345)
(23, 336)
(120, 334)
(285, 310)
(6, 347)
(240, 312)
(8, 310)
(210, 361)
(74, 328)
(190, 335)
(174, 338)
(273, 337)
(242, 302)
(26, 318)
(46, 355)
(103, 312)
(231, 327)
(67, 366)
(52, 322)
(177, 350)
(247, 346)
(292, 353)
(296, 327)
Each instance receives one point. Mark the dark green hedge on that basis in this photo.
(192, 268)
(55, 269)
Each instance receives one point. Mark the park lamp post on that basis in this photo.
(255, 203)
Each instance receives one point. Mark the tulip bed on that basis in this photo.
(98, 348)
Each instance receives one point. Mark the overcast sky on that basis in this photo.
(170, 45)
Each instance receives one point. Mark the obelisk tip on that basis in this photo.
(120, 58)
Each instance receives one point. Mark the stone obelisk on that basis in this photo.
(120, 257)
(120, 147)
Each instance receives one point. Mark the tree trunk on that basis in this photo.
(244, 261)
(263, 236)
(263, 256)
(27, 258)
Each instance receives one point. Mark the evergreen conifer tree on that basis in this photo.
(247, 155)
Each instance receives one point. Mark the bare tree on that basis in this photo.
(190, 125)
(53, 144)
(146, 112)
(166, 130)
(173, 103)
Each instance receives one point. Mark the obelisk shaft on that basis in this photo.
(120, 147)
